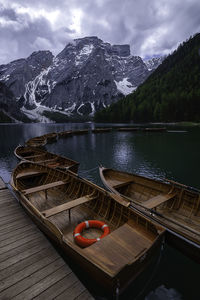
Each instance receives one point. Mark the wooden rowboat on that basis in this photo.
(154, 129)
(173, 205)
(38, 141)
(82, 131)
(128, 129)
(46, 158)
(100, 130)
(50, 137)
(58, 201)
(63, 134)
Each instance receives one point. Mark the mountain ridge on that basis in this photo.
(86, 76)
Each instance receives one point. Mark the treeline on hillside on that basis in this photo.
(171, 93)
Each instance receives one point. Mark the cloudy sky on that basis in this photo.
(151, 27)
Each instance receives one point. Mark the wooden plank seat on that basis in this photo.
(123, 184)
(30, 174)
(44, 187)
(67, 206)
(121, 247)
(157, 200)
(33, 156)
(46, 160)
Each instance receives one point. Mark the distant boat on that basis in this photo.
(172, 204)
(154, 129)
(38, 141)
(100, 130)
(63, 134)
(95, 228)
(128, 129)
(46, 158)
(51, 137)
(82, 131)
(177, 131)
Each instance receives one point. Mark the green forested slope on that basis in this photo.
(171, 93)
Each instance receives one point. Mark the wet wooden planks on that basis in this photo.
(2, 184)
(30, 267)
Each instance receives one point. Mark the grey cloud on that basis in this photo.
(8, 13)
(153, 27)
(24, 35)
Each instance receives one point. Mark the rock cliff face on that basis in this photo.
(9, 107)
(154, 62)
(86, 76)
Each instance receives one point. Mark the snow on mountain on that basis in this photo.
(125, 87)
(85, 76)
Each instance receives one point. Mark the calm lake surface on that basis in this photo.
(174, 154)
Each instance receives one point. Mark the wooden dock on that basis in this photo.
(2, 184)
(30, 267)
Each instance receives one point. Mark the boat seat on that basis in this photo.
(123, 184)
(46, 160)
(30, 174)
(33, 156)
(157, 200)
(118, 249)
(67, 206)
(43, 187)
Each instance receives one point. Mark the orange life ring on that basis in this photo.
(83, 242)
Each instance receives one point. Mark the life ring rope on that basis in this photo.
(84, 242)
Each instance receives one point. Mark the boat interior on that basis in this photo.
(46, 158)
(67, 200)
(173, 202)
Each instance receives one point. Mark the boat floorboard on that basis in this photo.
(30, 267)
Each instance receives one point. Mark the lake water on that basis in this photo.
(174, 155)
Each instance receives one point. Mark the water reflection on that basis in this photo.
(163, 293)
(123, 153)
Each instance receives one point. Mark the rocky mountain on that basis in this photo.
(86, 76)
(154, 62)
(9, 109)
(170, 94)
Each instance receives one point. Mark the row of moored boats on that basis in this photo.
(52, 137)
(113, 235)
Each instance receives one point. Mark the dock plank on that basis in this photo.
(2, 184)
(58, 288)
(27, 271)
(18, 243)
(30, 267)
(17, 232)
(22, 264)
(22, 285)
(46, 282)
(72, 292)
